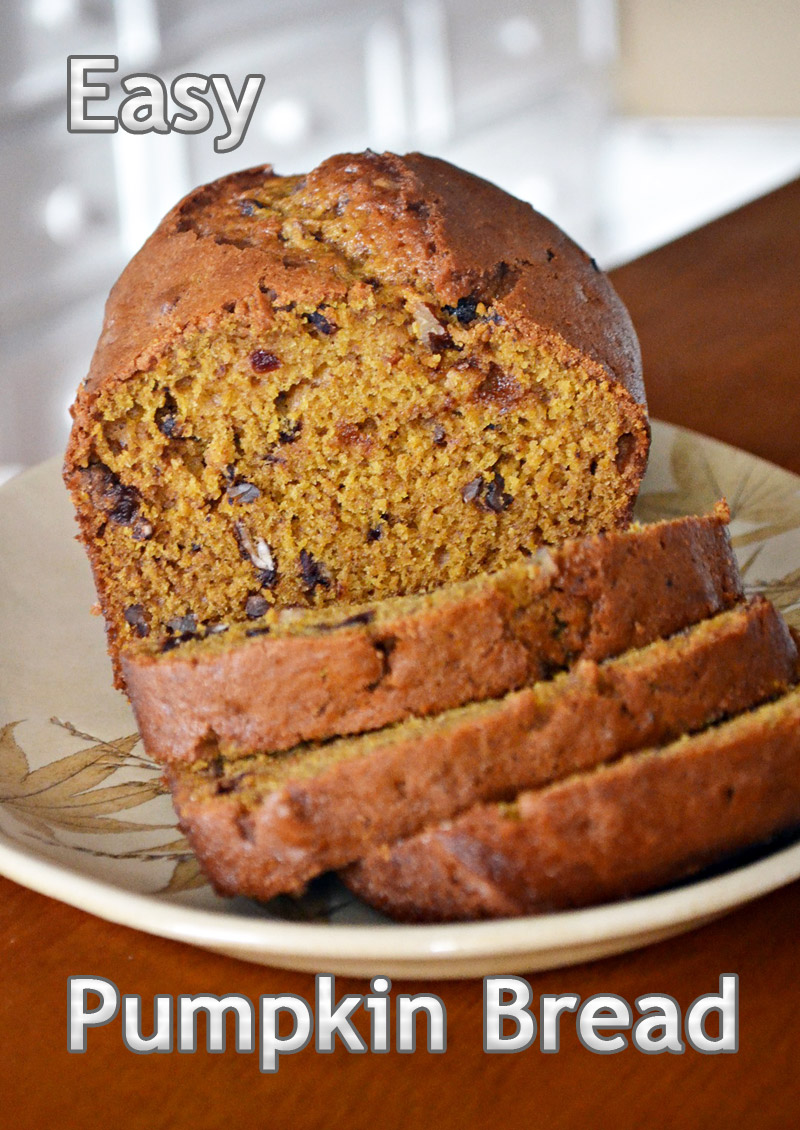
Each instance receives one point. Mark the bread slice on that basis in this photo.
(614, 831)
(379, 378)
(290, 677)
(267, 824)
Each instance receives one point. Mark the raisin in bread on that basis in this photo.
(266, 824)
(294, 676)
(372, 380)
(615, 831)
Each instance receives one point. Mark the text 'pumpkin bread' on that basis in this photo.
(372, 380)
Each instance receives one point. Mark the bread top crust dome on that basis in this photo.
(418, 217)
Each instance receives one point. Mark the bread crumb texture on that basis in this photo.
(371, 381)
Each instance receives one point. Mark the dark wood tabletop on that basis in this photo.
(718, 315)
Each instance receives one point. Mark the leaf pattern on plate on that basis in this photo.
(758, 494)
(68, 795)
(186, 875)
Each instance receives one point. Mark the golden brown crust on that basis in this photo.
(623, 829)
(265, 825)
(593, 597)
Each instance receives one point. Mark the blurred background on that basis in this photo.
(626, 121)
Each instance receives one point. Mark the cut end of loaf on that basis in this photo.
(316, 416)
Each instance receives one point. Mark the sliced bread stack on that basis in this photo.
(473, 752)
(646, 820)
(267, 823)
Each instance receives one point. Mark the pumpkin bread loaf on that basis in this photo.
(295, 676)
(612, 832)
(266, 824)
(372, 380)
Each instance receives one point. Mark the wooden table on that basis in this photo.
(718, 314)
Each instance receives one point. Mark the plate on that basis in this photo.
(84, 817)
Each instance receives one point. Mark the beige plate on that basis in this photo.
(83, 817)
